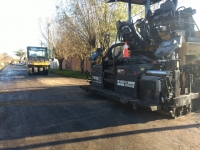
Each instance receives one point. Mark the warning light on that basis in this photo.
(134, 73)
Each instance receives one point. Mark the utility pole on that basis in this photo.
(41, 43)
(48, 38)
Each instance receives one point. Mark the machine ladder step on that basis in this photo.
(108, 71)
(108, 80)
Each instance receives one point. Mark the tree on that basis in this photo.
(47, 30)
(80, 26)
(5, 58)
(20, 53)
(61, 49)
(86, 22)
(55, 39)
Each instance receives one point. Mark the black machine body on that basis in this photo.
(157, 74)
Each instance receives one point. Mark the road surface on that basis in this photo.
(52, 112)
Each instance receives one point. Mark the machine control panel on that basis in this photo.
(166, 48)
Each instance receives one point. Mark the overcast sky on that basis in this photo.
(195, 4)
(19, 21)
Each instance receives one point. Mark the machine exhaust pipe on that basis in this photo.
(157, 73)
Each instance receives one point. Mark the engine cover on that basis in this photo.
(150, 83)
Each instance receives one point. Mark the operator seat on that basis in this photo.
(161, 16)
(165, 7)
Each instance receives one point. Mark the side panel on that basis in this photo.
(126, 81)
(187, 49)
(149, 91)
(97, 76)
(149, 96)
(150, 83)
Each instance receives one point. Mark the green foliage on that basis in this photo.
(91, 20)
(68, 73)
(20, 53)
(81, 25)
(2, 66)
(138, 11)
(117, 11)
(5, 58)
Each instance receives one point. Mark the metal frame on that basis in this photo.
(28, 49)
(147, 4)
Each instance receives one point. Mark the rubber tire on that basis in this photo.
(35, 70)
(46, 72)
(30, 72)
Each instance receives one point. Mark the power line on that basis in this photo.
(138, 13)
(181, 2)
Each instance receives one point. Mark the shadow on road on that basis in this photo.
(104, 136)
(65, 109)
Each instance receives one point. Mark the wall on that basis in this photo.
(87, 65)
(74, 64)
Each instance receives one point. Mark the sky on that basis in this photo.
(195, 5)
(19, 23)
(19, 19)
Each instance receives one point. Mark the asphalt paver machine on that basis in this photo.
(162, 71)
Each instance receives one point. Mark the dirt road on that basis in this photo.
(52, 112)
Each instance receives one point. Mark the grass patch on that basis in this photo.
(68, 73)
(1, 67)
